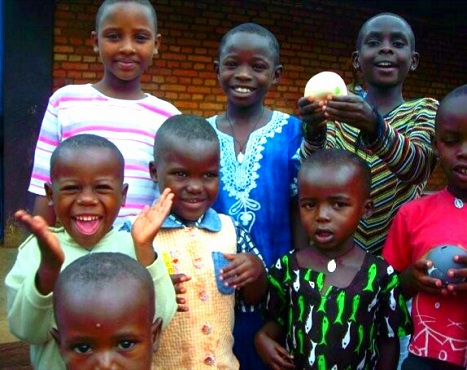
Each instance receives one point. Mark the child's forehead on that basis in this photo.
(126, 9)
(387, 21)
(247, 41)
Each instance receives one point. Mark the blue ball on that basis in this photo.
(442, 258)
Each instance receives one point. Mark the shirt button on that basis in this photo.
(210, 360)
(206, 329)
(198, 262)
(203, 295)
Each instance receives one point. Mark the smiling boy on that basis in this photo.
(86, 191)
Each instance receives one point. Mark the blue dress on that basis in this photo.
(257, 194)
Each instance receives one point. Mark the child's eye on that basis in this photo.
(69, 189)
(82, 348)
(308, 206)
(126, 344)
(339, 205)
(112, 36)
(142, 37)
(103, 188)
(399, 44)
(372, 43)
(259, 67)
(180, 174)
(211, 175)
(230, 64)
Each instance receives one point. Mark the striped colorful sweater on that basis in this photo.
(401, 161)
(130, 124)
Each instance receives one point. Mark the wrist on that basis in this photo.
(314, 133)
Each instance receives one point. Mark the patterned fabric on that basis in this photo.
(257, 192)
(30, 313)
(201, 337)
(336, 328)
(401, 161)
(440, 322)
(130, 124)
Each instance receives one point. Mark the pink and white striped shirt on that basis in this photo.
(130, 124)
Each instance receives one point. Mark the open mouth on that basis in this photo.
(87, 225)
(385, 65)
(242, 90)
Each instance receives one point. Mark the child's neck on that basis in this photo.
(244, 115)
(126, 90)
(385, 100)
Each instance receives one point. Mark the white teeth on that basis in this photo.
(87, 218)
(384, 64)
(463, 171)
(242, 90)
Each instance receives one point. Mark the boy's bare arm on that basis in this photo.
(52, 255)
(268, 348)
(147, 225)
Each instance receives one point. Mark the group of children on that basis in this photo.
(249, 239)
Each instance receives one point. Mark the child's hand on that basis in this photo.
(461, 273)
(245, 268)
(273, 354)
(352, 110)
(311, 112)
(415, 279)
(148, 224)
(52, 255)
(178, 280)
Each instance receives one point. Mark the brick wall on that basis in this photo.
(314, 36)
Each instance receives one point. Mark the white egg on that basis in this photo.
(325, 83)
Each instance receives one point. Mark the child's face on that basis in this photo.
(110, 328)
(126, 40)
(451, 144)
(332, 201)
(246, 68)
(191, 171)
(386, 54)
(87, 192)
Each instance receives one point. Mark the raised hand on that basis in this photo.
(52, 255)
(147, 225)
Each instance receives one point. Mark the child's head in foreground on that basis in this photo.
(86, 188)
(451, 140)
(251, 46)
(385, 50)
(104, 310)
(334, 194)
(126, 37)
(186, 160)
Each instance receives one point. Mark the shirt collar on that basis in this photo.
(209, 221)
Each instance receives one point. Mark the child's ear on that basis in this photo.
(277, 73)
(156, 329)
(49, 193)
(124, 193)
(356, 60)
(157, 45)
(153, 171)
(368, 209)
(415, 60)
(56, 335)
(216, 67)
(95, 41)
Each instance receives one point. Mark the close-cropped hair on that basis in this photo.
(182, 126)
(363, 29)
(257, 30)
(106, 3)
(338, 158)
(99, 270)
(82, 142)
(460, 91)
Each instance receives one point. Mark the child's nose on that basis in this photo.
(127, 45)
(104, 361)
(323, 214)
(386, 47)
(195, 186)
(87, 197)
(243, 72)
